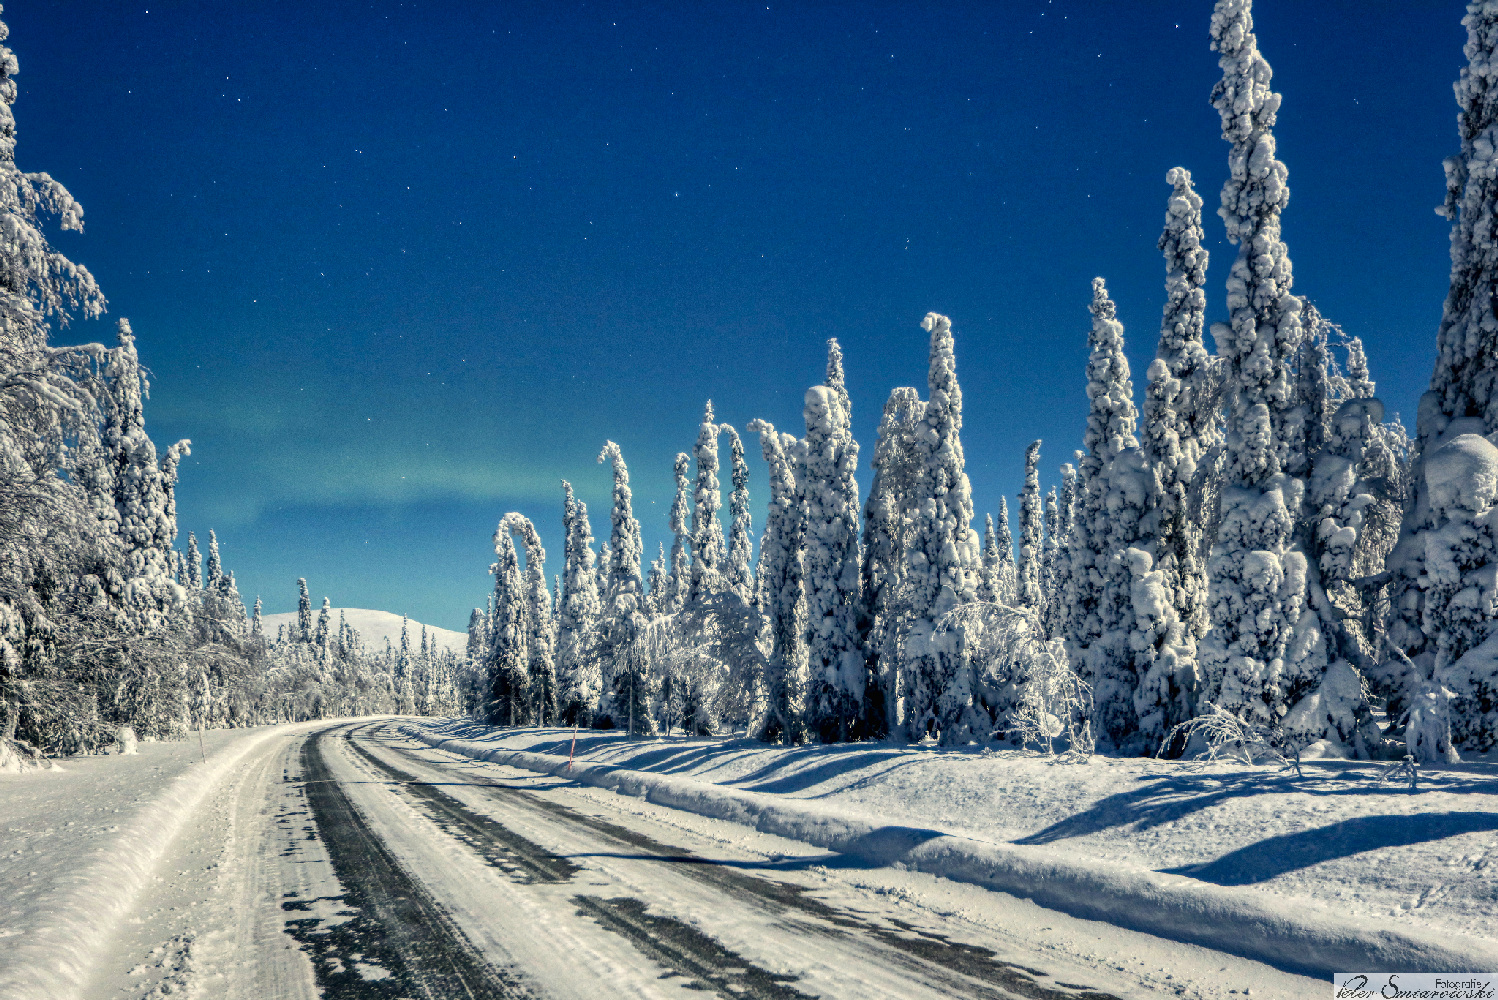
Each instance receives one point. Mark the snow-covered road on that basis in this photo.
(351, 861)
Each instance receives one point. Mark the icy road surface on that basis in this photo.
(349, 861)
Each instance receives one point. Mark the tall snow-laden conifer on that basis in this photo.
(942, 558)
(1007, 578)
(681, 536)
(144, 490)
(541, 682)
(830, 567)
(1031, 535)
(628, 683)
(1052, 576)
(1112, 515)
(885, 530)
(578, 678)
(194, 564)
(784, 594)
(707, 531)
(320, 635)
(988, 582)
(257, 623)
(741, 530)
(1445, 595)
(1178, 429)
(1271, 656)
(215, 563)
(508, 668)
(303, 612)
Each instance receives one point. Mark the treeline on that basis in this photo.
(1251, 544)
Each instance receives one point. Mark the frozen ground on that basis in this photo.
(349, 860)
(1338, 846)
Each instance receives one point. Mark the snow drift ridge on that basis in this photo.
(1313, 941)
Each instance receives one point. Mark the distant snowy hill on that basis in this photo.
(374, 627)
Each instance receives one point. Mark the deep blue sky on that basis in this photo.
(398, 268)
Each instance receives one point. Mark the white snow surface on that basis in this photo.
(1337, 869)
(79, 843)
(374, 627)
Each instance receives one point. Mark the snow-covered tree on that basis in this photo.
(1179, 427)
(303, 612)
(681, 537)
(830, 567)
(1113, 514)
(1031, 535)
(708, 555)
(628, 685)
(1052, 574)
(1275, 654)
(740, 570)
(942, 559)
(320, 636)
(215, 563)
(780, 574)
(988, 582)
(885, 528)
(1445, 595)
(508, 667)
(541, 681)
(578, 678)
(1007, 577)
(194, 564)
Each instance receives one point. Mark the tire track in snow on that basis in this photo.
(669, 942)
(395, 925)
(933, 956)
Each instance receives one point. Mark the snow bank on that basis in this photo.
(95, 891)
(1298, 935)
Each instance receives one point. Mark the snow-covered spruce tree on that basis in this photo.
(885, 527)
(942, 559)
(303, 611)
(508, 667)
(741, 530)
(1052, 575)
(257, 623)
(541, 681)
(404, 675)
(1060, 562)
(1031, 535)
(1007, 578)
(708, 555)
(628, 686)
(1113, 514)
(194, 564)
(1269, 658)
(1444, 591)
(1179, 427)
(681, 538)
(988, 582)
(784, 593)
(658, 583)
(215, 563)
(830, 569)
(578, 679)
(144, 491)
(1359, 383)
(320, 636)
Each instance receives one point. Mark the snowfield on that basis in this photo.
(374, 627)
(1320, 872)
(346, 858)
